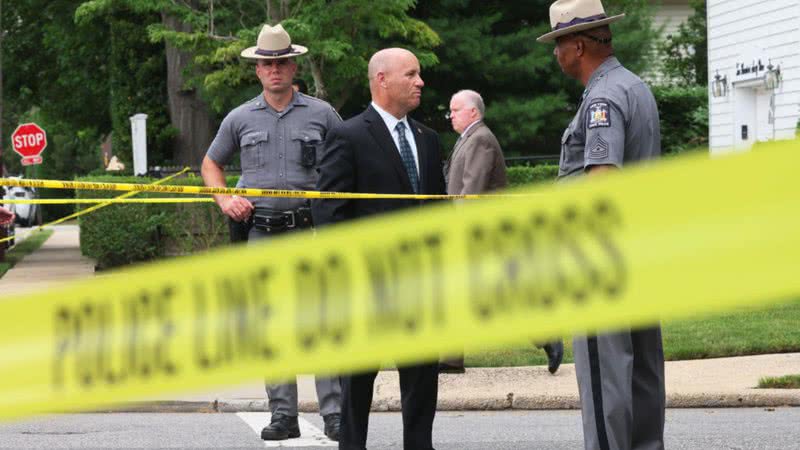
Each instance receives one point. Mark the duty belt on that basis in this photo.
(271, 221)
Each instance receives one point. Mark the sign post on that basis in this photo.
(29, 140)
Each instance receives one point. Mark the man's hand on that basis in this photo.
(5, 215)
(235, 207)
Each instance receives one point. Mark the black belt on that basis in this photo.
(271, 221)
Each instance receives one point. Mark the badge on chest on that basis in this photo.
(599, 115)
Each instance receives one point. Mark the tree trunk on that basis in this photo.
(187, 111)
(320, 90)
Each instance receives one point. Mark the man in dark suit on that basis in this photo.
(382, 150)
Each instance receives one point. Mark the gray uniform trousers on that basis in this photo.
(283, 397)
(621, 383)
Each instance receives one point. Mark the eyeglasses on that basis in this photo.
(449, 114)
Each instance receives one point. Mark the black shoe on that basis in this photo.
(281, 427)
(332, 424)
(555, 354)
(450, 368)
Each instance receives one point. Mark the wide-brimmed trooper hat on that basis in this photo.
(273, 43)
(571, 16)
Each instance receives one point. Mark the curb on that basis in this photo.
(768, 399)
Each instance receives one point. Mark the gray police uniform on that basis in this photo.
(620, 375)
(274, 149)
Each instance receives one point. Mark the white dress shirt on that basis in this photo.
(391, 122)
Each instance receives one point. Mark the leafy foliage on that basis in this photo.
(684, 117)
(118, 235)
(525, 175)
(490, 46)
(80, 80)
(686, 53)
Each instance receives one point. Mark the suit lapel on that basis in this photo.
(422, 154)
(460, 143)
(467, 135)
(377, 128)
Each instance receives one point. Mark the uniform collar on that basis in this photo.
(297, 100)
(608, 65)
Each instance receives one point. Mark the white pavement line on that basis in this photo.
(310, 436)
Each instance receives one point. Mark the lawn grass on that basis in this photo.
(786, 382)
(744, 332)
(24, 248)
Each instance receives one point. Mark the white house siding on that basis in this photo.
(741, 31)
(670, 14)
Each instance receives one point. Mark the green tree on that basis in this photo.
(52, 76)
(340, 35)
(686, 52)
(490, 46)
(203, 39)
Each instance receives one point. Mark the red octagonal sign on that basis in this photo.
(29, 140)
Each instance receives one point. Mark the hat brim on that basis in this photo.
(551, 36)
(250, 53)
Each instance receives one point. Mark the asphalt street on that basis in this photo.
(751, 428)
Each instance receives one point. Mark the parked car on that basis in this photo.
(27, 214)
(6, 229)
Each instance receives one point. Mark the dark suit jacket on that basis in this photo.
(360, 156)
(477, 164)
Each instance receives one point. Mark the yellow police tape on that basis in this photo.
(249, 192)
(103, 204)
(676, 239)
(110, 201)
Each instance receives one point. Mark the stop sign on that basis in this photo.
(29, 140)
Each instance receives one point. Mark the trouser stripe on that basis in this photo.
(597, 393)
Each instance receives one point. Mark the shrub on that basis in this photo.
(127, 233)
(523, 175)
(684, 117)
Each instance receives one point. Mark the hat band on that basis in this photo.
(281, 52)
(579, 20)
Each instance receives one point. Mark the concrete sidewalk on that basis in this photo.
(709, 383)
(58, 260)
(723, 382)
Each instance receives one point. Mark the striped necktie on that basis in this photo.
(407, 156)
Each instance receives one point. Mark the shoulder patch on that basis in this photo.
(599, 115)
(598, 149)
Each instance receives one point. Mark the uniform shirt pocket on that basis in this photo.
(254, 148)
(305, 148)
(571, 152)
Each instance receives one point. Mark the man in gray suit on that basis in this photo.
(475, 166)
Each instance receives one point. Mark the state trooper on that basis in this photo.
(277, 135)
(620, 375)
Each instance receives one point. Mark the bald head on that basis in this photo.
(384, 60)
(394, 80)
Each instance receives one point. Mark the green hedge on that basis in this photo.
(118, 235)
(523, 175)
(683, 111)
